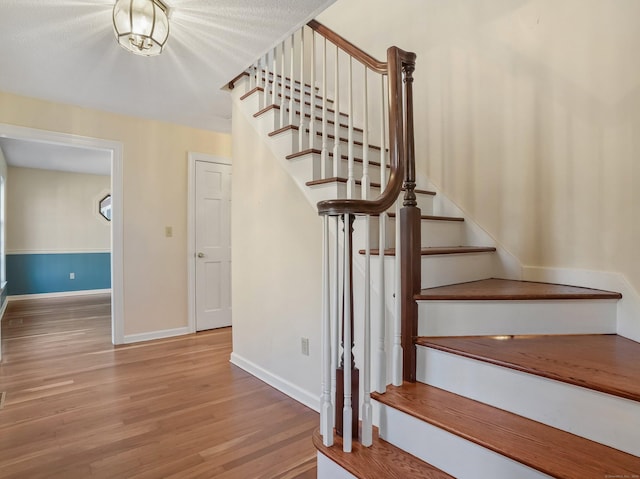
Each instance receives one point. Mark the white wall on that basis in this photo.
(56, 211)
(154, 196)
(276, 269)
(527, 114)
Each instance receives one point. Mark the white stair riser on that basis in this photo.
(461, 458)
(440, 270)
(432, 232)
(591, 414)
(327, 469)
(473, 318)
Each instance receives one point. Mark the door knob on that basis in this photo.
(200, 255)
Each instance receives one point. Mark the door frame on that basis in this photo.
(117, 263)
(191, 229)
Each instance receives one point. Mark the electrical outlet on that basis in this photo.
(72, 276)
(304, 343)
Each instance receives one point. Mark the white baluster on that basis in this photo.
(292, 83)
(265, 93)
(381, 383)
(367, 419)
(326, 411)
(365, 139)
(347, 412)
(335, 320)
(351, 181)
(302, 127)
(274, 85)
(283, 88)
(324, 155)
(337, 159)
(397, 325)
(312, 121)
(252, 75)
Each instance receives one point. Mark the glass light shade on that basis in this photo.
(141, 26)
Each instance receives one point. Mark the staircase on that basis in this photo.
(496, 377)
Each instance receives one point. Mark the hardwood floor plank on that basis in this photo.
(78, 407)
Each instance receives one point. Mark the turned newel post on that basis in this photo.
(410, 239)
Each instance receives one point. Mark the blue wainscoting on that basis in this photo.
(49, 273)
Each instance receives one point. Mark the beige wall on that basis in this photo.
(276, 261)
(55, 211)
(527, 116)
(154, 196)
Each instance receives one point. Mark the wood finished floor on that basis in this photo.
(78, 407)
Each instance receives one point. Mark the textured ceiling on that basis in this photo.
(65, 51)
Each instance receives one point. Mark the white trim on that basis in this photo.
(192, 157)
(628, 313)
(151, 335)
(75, 251)
(61, 294)
(117, 260)
(305, 397)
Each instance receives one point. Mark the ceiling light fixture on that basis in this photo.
(141, 26)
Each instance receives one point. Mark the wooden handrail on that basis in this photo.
(348, 47)
(398, 60)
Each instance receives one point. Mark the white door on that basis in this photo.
(213, 245)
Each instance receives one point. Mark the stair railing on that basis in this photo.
(323, 85)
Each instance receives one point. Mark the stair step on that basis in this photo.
(381, 460)
(440, 250)
(540, 447)
(603, 362)
(433, 217)
(511, 290)
(507, 307)
(344, 180)
(316, 151)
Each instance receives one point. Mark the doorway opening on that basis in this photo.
(112, 151)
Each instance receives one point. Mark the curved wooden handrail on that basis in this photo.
(348, 47)
(398, 59)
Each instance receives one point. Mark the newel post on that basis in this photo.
(410, 239)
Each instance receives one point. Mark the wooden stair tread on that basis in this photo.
(316, 151)
(340, 179)
(433, 217)
(505, 289)
(544, 448)
(440, 250)
(381, 460)
(335, 179)
(603, 362)
(274, 106)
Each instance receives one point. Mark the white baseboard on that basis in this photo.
(151, 335)
(628, 314)
(61, 294)
(282, 385)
